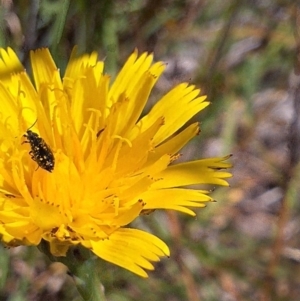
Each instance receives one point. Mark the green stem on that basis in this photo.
(83, 270)
(110, 37)
(87, 281)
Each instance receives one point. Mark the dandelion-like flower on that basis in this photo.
(79, 163)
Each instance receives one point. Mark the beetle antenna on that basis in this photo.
(32, 125)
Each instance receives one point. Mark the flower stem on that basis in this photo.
(83, 270)
(87, 281)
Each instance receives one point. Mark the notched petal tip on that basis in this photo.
(9, 63)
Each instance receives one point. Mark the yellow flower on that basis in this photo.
(79, 163)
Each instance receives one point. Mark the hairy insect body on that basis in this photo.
(40, 152)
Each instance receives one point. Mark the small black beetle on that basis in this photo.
(40, 152)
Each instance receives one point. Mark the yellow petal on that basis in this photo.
(176, 199)
(205, 171)
(9, 64)
(131, 249)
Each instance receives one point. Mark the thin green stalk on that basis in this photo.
(83, 269)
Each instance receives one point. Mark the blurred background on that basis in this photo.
(245, 56)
